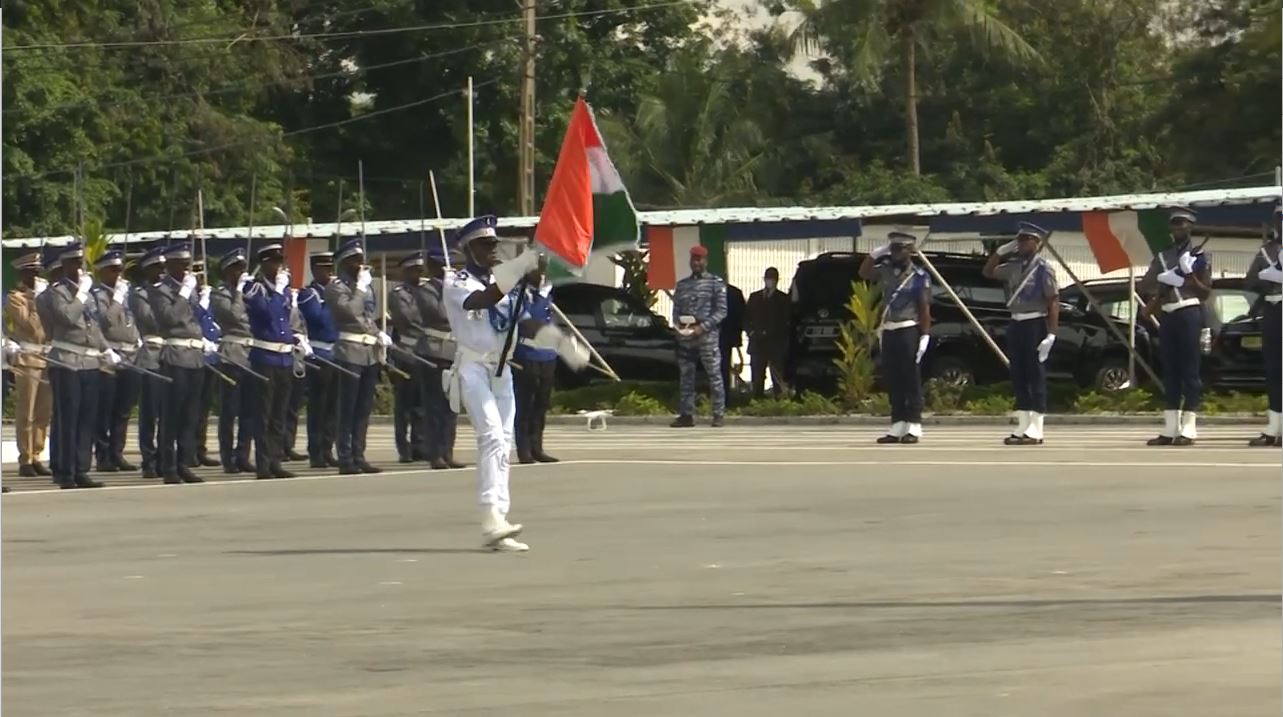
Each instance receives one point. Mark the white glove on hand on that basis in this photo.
(304, 345)
(575, 354)
(40, 285)
(385, 340)
(282, 281)
(112, 357)
(1044, 348)
(189, 285)
(210, 347)
(923, 341)
(243, 281)
(1186, 263)
(11, 349)
(1271, 273)
(204, 298)
(82, 288)
(507, 274)
(880, 252)
(1008, 248)
(121, 291)
(1171, 278)
(364, 279)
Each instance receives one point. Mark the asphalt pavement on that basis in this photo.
(744, 571)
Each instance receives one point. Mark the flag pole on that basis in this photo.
(436, 202)
(472, 167)
(1131, 327)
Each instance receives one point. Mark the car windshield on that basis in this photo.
(617, 313)
(1233, 304)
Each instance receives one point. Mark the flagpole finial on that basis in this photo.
(583, 93)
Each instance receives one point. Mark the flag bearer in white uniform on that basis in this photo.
(481, 309)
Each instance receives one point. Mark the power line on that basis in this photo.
(227, 89)
(232, 145)
(332, 35)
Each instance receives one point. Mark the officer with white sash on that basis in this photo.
(481, 310)
(905, 331)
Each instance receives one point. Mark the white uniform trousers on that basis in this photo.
(491, 408)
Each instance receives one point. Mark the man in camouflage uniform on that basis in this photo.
(699, 306)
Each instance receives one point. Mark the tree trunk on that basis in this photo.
(911, 100)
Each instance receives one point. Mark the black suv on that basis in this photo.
(636, 342)
(1084, 351)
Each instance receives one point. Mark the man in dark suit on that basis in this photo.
(766, 319)
(731, 333)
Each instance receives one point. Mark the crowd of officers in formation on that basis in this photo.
(1175, 286)
(175, 341)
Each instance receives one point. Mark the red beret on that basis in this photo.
(699, 251)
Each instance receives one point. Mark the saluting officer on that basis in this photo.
(1181, 278)
(1266, 277)
(1033, 298)
(52, 264)
(533, 382)
(481, 309)
(237, 403)
(33, 401)
(441, 422)
(408, 403)
(268, 302)
(351, 303)
(182, 359)
(118, 392)
(152, 389)
(699, 307)
(322, 388)
(213, 334)
(78, 351)
(905, 330)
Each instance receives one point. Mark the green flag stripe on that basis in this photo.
(614, 222)
(1153, 226)
(713, 238)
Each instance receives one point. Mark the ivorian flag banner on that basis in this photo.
(587, 210)
(1122, 239)
(670, 248)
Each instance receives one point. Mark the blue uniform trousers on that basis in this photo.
(75, 415)
(180, 412)
(322, 411)
(149, 400)
(900, 372)
(116, 398)
(356, 400)
(237, 411)
(1272, 345)
(1028, 375)
(1178, 338)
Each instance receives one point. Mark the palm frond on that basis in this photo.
(989, 31)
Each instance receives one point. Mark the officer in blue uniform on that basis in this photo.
(1180, 278)
(268, 302)
(213, 334)
(152, 389)
(1265, 276)
(118, 391)
(182, 360)
(359, 349)
(322, 387)
(905, 331)
(237, 402)
(67, 312)
(533, 383)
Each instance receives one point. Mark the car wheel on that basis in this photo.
(952, 371)
(1112, 375)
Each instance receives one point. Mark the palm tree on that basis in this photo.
(690, 144)
(879, 31)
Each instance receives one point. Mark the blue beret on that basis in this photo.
(415, 259)
(231, 258)
(154, 255)
(178, 250)
(74, 250)
(111, 257)
(271, 251)
(1029, 229)
(349, 249)
(322, 258)
(479, 228)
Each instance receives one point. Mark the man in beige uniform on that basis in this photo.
(33, 399)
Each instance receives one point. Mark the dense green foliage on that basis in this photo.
(1013, 98)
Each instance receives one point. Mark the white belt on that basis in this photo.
(1028, 315)
(33, 348)
(238, 340)
(323, 345)
(897, 325)
(186, 343)
(77, 349)
(126, 346)
(273, 346)
(1273, 298)
(154, 340)
(1178, 305)
(366, 339)
(443, 335)
(469, 356)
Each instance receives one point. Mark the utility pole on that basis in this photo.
(526, 136)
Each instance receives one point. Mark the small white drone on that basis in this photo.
(596, 419)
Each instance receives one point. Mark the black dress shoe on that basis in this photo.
(1262, 441)
(1159, 441)
(330, 461)
(280, 472)
(683, 422)
(542, 457)
(318, 463)
(348, 470)
(525, 459)
(1013, 440)
(452, 463)
(231, 469)
(909, 438)
(888, 439)
(40, 469)
(438, 464)
(173, 480)
(718, 421)
(206, 462)
(108, 468)
(293, 455)
(5, 489)
(1182, 441)
(125, 465)
(367, 468)
(87, 482)
(188, 477)
(27, 471)
(244, 466)
(150, 474)
(68, 486)
(405, 459)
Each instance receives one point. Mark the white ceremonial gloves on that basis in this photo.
(113, 358)
(507, 274)
(923, 341)
(282, 280)
(1186, 263)
(83, 287)
(880, 252)
(384, 340)
(209, 347)
(575, 354)
(40, 285)
(1044, 348)
(364, 279)
(304, 345)
(1008, 248)
(204, 298)
(120, 292)
(189, 285)
(243, 281)
(1171, 278)
(1271, 273)
(11, 349)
